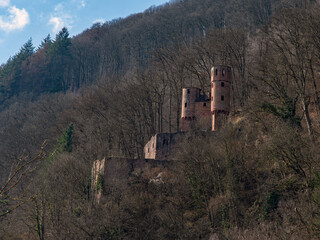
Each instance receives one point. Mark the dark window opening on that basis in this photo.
(164, 141)
(216, 72)
(148, 150)
(185, 105)
(204, 104)
(222, 98)
(188, 91)
(222, 84)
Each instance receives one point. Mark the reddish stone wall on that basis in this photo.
(218, 119)
(195, 108)
(220, 95)
(202, 109)
(220, 88)
(203, 114)
(189, 97)
(188, 111)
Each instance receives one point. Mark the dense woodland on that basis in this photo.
(105, 92)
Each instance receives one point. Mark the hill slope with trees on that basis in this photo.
(105, 92)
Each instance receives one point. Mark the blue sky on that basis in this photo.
(24, 19)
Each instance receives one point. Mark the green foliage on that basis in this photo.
(112, 234)
(26, 51)
(46, 42)
(58, 55)
(77, 212)
(4, 205)
(61, 45)
(270, 204)
(64, 143)
(224, 217)
(316, 188)
(285, 112)
(100, 183)
(11, 74)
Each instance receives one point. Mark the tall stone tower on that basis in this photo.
(188, 111)
(220, 95)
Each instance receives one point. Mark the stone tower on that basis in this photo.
(220, 95)
(188, 111)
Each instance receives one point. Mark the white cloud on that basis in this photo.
(83, 3)
(80, 3)
(58, 7)
(99, 20)
(4, 3)
(57, 23)
(17, 19)
(60, 19)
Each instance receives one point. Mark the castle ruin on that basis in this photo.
(197, 108)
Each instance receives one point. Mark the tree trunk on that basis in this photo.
(305, 107)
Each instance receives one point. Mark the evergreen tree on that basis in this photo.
(59, 55)
(47, 41)
(64, 143)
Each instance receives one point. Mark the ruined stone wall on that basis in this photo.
(118, 172)
(150, 148)
(162, 146)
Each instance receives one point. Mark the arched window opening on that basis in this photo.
(216, 72)
(222, 98)
(222, 84)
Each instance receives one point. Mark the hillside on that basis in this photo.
(122, 45)
(104, 93)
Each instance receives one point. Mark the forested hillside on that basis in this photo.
(119, 46)
(105, 92)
